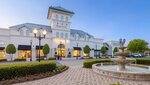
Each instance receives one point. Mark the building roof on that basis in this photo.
(60, 9)
(80, 33)
(31, 27)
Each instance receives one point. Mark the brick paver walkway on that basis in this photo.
(76, 75)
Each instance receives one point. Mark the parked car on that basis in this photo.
(136, 55)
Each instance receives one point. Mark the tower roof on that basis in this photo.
(59, 8)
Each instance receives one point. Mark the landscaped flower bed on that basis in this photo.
(89, 63)
(58, 69)
(10, 71)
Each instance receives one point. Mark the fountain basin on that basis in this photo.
(131, 72)
(127, 60)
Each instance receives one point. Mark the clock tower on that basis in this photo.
(60, 21)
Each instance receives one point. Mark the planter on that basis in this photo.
(27, 59)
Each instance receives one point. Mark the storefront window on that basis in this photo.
(76, 53)
(2, 54)
(24, 54)
(41, 53)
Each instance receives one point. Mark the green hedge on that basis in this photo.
(116, 84)
(40, 59)
(89, 63)
(10, 71)
(144, 61)
(3, 60)
(23, 59)
(51, 58)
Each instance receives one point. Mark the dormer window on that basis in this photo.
(27, 32)
(21, 33)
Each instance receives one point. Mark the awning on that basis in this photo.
(2, 48)
(77, 48)
(24, 47)
(37, 47)
(96, 50)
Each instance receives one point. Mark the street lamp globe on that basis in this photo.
(44, 33)
(35, 31)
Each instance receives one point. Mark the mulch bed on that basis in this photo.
(31, 77)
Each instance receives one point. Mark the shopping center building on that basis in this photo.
(61, 39)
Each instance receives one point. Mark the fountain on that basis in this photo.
(122, 60)
(123, 68)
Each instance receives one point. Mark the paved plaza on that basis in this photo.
(76, 75)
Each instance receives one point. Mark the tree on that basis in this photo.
(46, 49)
(116, 50)
(137, 46)
(11, 49)
(86, 49)
(103, 50)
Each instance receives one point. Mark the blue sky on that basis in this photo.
(108, 19)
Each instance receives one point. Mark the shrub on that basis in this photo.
(40, 59)
(46, 49)
(10, 71)
(144, 61)
(51, 58)
(116, 84)
(11, 49)
(89, 63)
(22, 59)
(2, 60)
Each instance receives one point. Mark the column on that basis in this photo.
(33, 53)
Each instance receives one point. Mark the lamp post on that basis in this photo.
(96, 51)
(77, 52)
(31, 50)
(39, 32)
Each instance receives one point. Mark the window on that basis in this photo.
(75, 37)
(27, 32)
(21, 33)
(62, 35)
(57, 34)
(66, 35)
(66, 18)
(57, 17)
(62, 18)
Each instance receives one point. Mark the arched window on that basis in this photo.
(57, 34)
(62, 35)
(66, 35)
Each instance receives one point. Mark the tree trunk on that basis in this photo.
(11, 56)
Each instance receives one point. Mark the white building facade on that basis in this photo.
(111, 45)
(61, 39)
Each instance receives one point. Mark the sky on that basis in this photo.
(108, 19)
